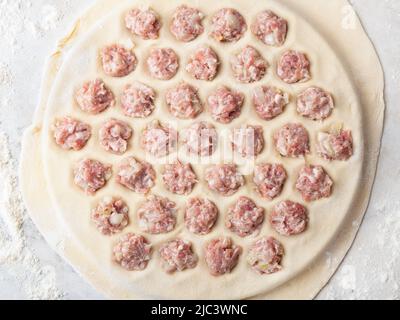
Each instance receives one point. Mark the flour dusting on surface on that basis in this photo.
(18, 261)
(365, 276)
(37, 280)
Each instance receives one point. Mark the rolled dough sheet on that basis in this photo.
(343, 32)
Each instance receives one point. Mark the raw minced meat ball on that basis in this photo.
(157, 215)
(294, 67)
(244, 217)
(177, 255)
(114, 136)
(222, 255)
(270, 28)
(163, 64)
(265, 255)
(269, 102)
(224, 179)
(110, 215)
(289, 218)
(225, 104)
(179, 178)
(203, 64)
(118, 61)
(269, 180)
(201, 138)
(227, 25)
(91, 175)
(200, 215)
(186, 23)
(94, 97)
(292, 140)
(248, 141)
(70, 133)
(143, 23)
(138, 176)
(248, 65)
(137, 100)
(159, 140)
(335, 145)
(132, 252)
(183, 101)
(315, 103)
(314, 183)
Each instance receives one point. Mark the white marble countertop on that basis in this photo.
(28, 32)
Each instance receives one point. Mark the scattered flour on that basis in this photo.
(16, 17)
(17, 260)
(5, 75)
(37, 280)
(347, 277)
(50, 18)
(376, 275)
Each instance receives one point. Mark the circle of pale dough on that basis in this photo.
(330, 229)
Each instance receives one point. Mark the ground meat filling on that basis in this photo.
(269, 180)
(269, 102)
(118, 61)
(71, 134)
(138, 176)
(265, 255)
(203, 64)
(110, 215)
(314, 183)
(143, 23)
(289, 218)
(157, 215)
(248, 141)
(114, 136)
(227, 25)
(137, 100)
(315, 104)
(224, 179)
(177, 255)
(244, 217)
(159, 140)
(222, 256)
(294, 67)
(183, 101)
(94, 97)
(186, 23)
(163, 63)
(335, 145)
(201, 138)
(132, 252)
(292, 140)
(200, 215)
(225, 105)
(248, 65)
(91, 175)
(179, 178)
(270, 28)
